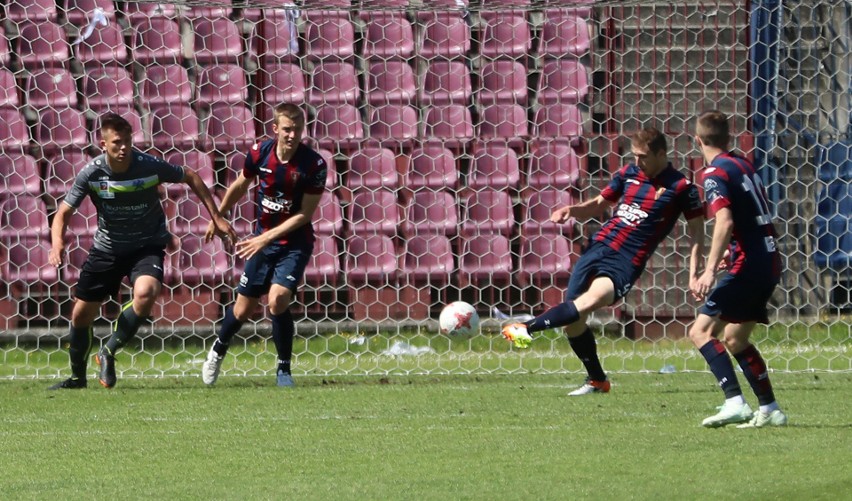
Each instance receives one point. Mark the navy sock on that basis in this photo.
(754, 370)
(283, 330)
(126, 326)
(79, 348)
(227, 330)
(586, 349)
(721, 367)
(558, 316)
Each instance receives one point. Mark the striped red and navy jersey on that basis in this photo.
(647, 210)
(282, 187)
(732, 181)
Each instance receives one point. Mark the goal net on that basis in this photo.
(452, 130)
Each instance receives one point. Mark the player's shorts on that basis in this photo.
(599, 260)
(740, 298)
(103, 272)
(276, 264)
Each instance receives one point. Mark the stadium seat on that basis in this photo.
(390, 82)
(156, 40)
(62, 128)
(209, 12)
(285, 83)
(428, 260)
(217, 41)
(486, 259)
(329, 36)
(174, 126)
(338, 126)
(224, 83)
(370, 259)
(505, 122)
(431, 212)
(333, 82)
(202, 263)
(84, 221)
(394, 125)
(324, 267)
(110, 87)
(553, 164)
(231, 127)
(243, 216)
(537, 208)
(166, 85)
(372, 167)
(31, 10)
(558, 121)
(433, 167)
(545, 263)
(503, 81)
(373, 212)
(8, 88)
(495, 165)
(104, 46)
(190, 215)
(443, 34)
(26, 263)
(451, 124)
(445, 82)
(51, 87)
(19, 175)
(23, 217)
(136, 12)
(505, 34)
(563, 34)
(275, 39)
(77, 251)
(199, 161)
(14, 132)
(563, 81)
(42, 44)
(5, 56)
(79, 12)
(62, 167)
(487, 211)
(328, 218)
(388, 35)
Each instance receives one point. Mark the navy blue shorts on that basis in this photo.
(276, 264)
(103, 272)
(599, 260)
(741, 298)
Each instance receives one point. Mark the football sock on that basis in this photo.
(126, 326)
(754, 370)
(78, 350)
(229, 327)
(283, 329)
(558, 316)
(586, 349)
(721, 367)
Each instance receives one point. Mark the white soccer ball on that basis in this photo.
(459, 319)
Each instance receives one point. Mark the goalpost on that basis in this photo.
(453, 128)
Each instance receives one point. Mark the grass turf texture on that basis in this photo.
(452, 437)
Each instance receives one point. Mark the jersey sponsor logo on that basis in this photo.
(276, 205)
(631, 214)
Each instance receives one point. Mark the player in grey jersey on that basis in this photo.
(130, 241)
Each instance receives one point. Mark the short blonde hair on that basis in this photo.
(290, 111)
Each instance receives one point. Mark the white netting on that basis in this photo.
(453, 130)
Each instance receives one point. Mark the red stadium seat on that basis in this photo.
(328, 218)
(62, 167)
(104, 46)
(338, 126)
(372, 167)
(487, 211)
(110, 87)
(373, 212)
(329, 36)
(432, 167)
(494, 166)
(51, 87)
(166, 85)
(84, 221)
(31, 10)
(431, 212)
(19, 175)
(77, 251)
(443, 34)
(42, 44)
(190, 215)
(26, 263)
(445, 82)
(554, 164)
(156, 40)
(503, 81)
(538, 208)
(138, 11)
(333, 83)
(505, 34)
(563, 81)
(14, 132)
(285, 84)
(390, 82)
(22, 217)
(231, 127)
(243, 216)
(324, 267)
(275, 39)
(394, 125)
(198, 161)
(389, 35)
(62, 128)
(217, 41)
(486, 259)
(217, 12)
(505, 122)
(79, 12)
(371, 259)
(174, 126)
(428, 259)
(8, 88)
(202, 263)
(545, 262)
(451, 124)
(559, 121)
(564, 33)
(225, 83)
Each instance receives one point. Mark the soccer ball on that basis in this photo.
(458, 319)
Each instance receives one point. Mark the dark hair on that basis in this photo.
(712, 129)
(290, 111)
(115, 122)
(652, 138)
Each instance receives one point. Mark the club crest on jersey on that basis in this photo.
(631, 214)
(103, 190)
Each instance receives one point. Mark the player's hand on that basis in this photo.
(56, 256)
(701, 286)
(561, 215)
(224, 230)
(249, 247)
(723, 263)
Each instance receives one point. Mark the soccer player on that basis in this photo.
(735, 197)
(649, 195)
(130, 241)
(291, 180)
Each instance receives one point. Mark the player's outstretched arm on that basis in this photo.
(582, 211)
(236, 191)
(223, 227)
(57, 234)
